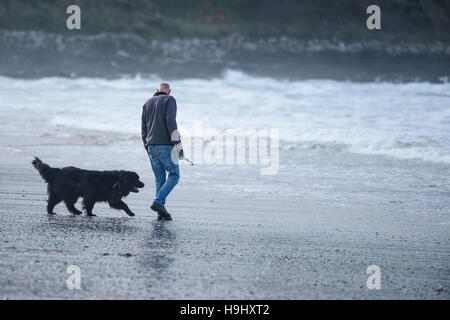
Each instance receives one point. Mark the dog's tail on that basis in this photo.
(47, 173)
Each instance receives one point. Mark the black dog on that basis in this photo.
(70, 183)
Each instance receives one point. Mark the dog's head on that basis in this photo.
(128, 182)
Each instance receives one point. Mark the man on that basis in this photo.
(162, 142)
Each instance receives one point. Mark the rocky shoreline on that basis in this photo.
(38, 54)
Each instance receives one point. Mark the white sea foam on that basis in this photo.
(407, 121)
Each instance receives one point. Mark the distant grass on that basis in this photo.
(402, 20)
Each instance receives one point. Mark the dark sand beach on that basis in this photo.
(319, 133)
(221, 244)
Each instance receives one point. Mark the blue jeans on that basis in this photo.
(161, 161)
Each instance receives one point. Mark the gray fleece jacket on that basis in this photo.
(159, 125)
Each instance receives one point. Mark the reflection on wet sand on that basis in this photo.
(159, 248)
(70, 223)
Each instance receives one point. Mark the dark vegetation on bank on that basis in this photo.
(402, 20)
(200, 38)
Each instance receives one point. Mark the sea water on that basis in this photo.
(367, 144)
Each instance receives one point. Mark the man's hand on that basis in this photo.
(180, 152)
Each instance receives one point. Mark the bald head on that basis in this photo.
(164, 87)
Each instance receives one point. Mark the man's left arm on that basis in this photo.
(171, 122)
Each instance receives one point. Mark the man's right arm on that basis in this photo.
(144, 127)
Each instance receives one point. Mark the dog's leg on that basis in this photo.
(88, 205)
(52, 201)
(121, 206)
(71, 207)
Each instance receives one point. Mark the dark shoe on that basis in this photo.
(163, 214)
(164, 218)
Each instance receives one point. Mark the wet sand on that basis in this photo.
(220, 245)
